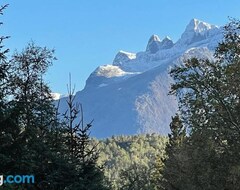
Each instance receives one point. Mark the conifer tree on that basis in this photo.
(8, 128)
(35, 118)
(83, 155)
(175, 164)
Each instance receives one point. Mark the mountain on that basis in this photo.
(131, 95)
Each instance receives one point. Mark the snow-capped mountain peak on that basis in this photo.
(155, 44)
(154, 38)
(166, 43)
(167, 38)
(196, 31)
(199, 26)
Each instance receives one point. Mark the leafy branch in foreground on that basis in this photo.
(209, 94)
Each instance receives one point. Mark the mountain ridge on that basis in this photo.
(130, 95)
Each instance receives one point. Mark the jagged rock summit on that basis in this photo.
(155, 44)
(123, 57)
(130, 95)
(197, 31)
(199, 26)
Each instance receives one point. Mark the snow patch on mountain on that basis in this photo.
(102, 85)
(109, 71)
(123, 57)
(56, 96)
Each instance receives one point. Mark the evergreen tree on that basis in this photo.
(137, 177)
(31, 136)
(32, 100)
(8, 127)
(83, 155)
(175, 165)
(130, 160)
(34, 141)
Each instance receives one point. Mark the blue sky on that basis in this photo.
(89, 33)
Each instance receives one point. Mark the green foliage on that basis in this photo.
(176, 162)
(129, 161)
(29, 137)
(33, 140)
(208, 94)
(81, 151)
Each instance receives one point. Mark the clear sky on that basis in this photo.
(89, 33)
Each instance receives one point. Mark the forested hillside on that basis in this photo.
(130, 161)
